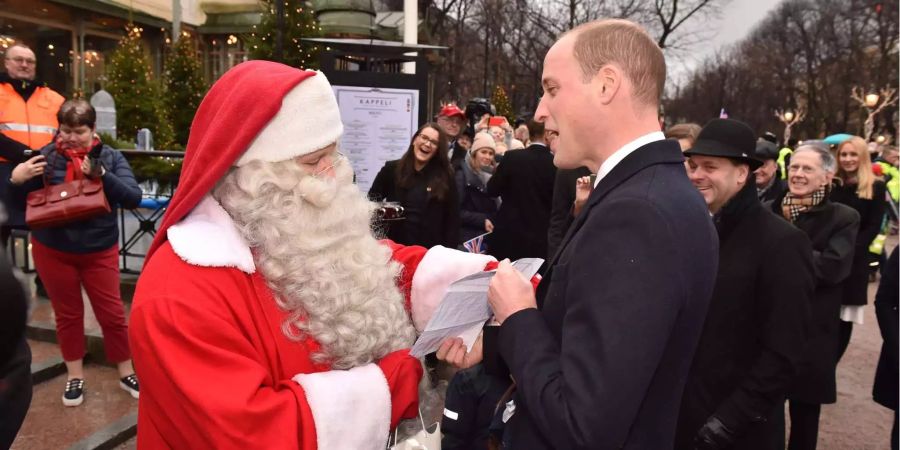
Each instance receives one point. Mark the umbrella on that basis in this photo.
(836, 139)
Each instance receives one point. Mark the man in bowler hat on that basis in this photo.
(755, 329)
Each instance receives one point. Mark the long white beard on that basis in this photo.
(314, 245)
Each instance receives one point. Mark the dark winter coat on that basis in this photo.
(524, 182)
(776, 189)
(871, 215)
(887, 376)
(475, 206)
(832, 228)
(95, 234)
(429, 221)
(602, 362)
(561, 211)
(754, 335)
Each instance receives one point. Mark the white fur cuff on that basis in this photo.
(439, 268)
(352, 408)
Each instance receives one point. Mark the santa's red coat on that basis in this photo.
(215, 368)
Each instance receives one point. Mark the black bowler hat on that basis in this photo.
(766, 149)
(727, 138)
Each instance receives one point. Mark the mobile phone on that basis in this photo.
(28, 153)
(496, 121)
(593, 179)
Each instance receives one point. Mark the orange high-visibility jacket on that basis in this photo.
(32, 123)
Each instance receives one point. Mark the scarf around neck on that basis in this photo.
(74, 157)
(792, 206)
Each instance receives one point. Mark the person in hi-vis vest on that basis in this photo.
(27, 120)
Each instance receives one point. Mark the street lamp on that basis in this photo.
(873, 103)
(789, 118)
(871, 100)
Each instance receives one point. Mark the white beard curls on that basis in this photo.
(314, 245)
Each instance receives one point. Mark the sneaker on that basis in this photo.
(130, 385)
(74, 394)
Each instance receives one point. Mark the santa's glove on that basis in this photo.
(535, 280)
(714, 435)
(403, 373)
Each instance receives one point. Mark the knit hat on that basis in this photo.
(483, 140)
(515, 144)
(258, 110)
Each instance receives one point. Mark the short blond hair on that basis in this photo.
(628, 46)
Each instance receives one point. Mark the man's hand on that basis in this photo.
(510, 292)
(453, 351)
(714, 435)
(488, 225)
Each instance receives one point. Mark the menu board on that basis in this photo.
(378, 126)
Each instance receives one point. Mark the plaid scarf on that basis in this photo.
(792, 206)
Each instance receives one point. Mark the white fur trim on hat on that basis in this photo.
(308, 120)
(351, 408)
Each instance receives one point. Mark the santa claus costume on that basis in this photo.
(267, 316)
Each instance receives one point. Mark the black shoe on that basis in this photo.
(74, 394)
(130, 385)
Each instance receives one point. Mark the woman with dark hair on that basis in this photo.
(861, 190)
(83, 253)
(422, 182)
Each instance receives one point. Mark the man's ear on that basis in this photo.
(608, 81)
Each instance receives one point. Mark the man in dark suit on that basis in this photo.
(524, 182)
(753, 339)
(601, 353)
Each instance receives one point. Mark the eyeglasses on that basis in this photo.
(429, 140)
(336, 159)
(21, 60)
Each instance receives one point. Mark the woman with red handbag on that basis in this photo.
(84, 252)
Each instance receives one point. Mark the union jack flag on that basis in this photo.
(476, 244)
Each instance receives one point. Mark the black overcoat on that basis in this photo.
(887, 376)
(475, 206)
(871, 215)
(832, 228)
(753, 338)
(440, 218)
(524, 183)
(602, 363)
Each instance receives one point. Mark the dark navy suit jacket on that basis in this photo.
(603, 362)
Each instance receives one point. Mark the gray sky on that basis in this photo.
(738, 17)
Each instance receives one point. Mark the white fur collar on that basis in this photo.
(207, 237)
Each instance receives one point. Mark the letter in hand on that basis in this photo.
(403, 373)
(509, 292)
(714, 435)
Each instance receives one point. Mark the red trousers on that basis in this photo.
(63, 275)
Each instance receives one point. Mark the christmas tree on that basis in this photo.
(299, 22)
(139, 102)
(501, 101)
(185, 87)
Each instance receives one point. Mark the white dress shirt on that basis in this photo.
(626, 150)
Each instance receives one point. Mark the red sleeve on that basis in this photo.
(203, 385)
(409, 256)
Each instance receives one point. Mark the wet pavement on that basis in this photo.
(50, 425)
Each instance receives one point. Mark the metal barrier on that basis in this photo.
(153, 202)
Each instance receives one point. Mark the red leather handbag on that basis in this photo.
(60, 204)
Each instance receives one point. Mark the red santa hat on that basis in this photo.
(258, 110)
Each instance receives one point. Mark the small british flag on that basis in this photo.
(476, 244)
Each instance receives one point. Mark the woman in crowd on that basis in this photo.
(831, 228)
(84, 253)
(859, 189)
(422, 182)
(475, 207)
